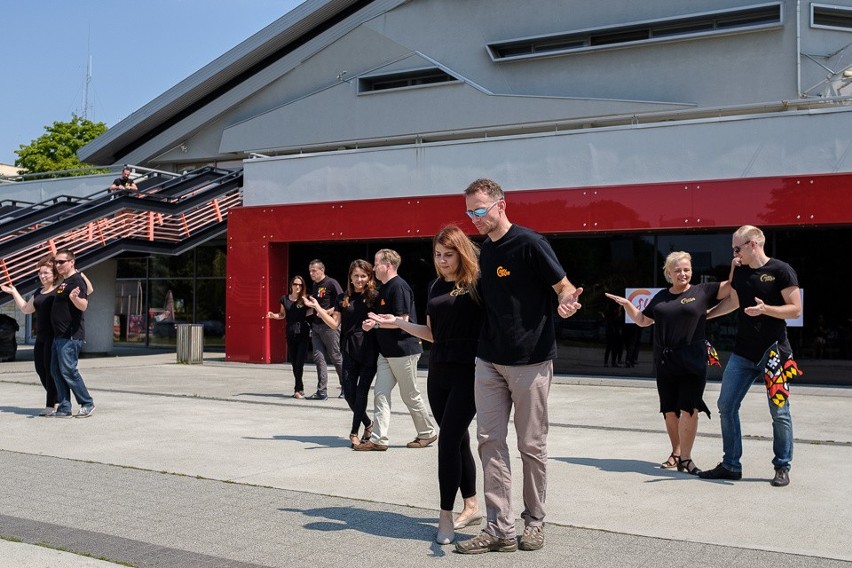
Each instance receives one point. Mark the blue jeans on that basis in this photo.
(63, 367)
(739, 375)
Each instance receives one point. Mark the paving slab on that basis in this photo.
(215, 465)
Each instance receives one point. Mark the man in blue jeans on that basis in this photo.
(66, 317)
(765, 292)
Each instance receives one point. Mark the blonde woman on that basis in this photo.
(680, 355)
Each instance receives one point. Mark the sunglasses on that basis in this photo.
(481, 212)
(61, 261)
(738, 248)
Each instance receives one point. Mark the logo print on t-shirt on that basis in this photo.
(61, 287)
(320, 292)
(382, 303)
(767, 278)
(502, 272)
(686, 300)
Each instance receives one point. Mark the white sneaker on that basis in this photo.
(49, 411)
(86, 411)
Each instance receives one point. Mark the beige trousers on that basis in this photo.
(497, 389)
(400, 371)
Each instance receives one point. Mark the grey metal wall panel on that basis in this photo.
(763, 145)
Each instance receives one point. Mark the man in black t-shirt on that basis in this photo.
(765, 293)
(514, 365)
(324, 340)
(398, 356)
(66, 318)
(124, 182)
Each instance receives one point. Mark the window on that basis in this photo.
(751, 18)
(401, 80)
(831, 17)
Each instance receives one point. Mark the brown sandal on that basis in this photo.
(354, 440)
(672, 462)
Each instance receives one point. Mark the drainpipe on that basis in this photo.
(799, 48)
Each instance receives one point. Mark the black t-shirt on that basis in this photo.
(354, 341)
(397, 298)
(43, 304)
(456, 321)
(681, 319)
(123, 182)
(295, 318)
(66, 319)
(518, 274)
(326, 292)
(755, 334)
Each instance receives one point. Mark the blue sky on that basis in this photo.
(138, 51)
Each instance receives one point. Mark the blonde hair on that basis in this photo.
(389, 256)
(672, 259)
(751, 233)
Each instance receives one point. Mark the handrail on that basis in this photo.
(97, 228)
(94, 170)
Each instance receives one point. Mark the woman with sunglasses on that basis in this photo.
(359, 349)
(41, 303)
(453, 321)
(680, 351)
(295, 311)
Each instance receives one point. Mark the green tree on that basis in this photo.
(57, 148)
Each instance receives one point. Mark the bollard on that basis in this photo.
(190, 343)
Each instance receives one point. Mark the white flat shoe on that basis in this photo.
(442, 538)
(474, 519)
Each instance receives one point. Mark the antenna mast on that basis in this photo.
(86, 91)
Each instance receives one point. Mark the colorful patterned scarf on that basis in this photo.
(712, 356)
(780, 368)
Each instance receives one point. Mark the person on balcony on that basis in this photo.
(123, 182)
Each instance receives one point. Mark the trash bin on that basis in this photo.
(8, 342)
(190, 343)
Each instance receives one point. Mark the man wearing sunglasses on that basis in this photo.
(66, 317)
(514, 364)
(765, 292)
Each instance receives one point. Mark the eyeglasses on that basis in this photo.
(481, 212)
(738, 248)
(296, 284)
(61, 261)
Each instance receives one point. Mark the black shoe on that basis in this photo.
(721, 472)
(318, 396)
(782, 477)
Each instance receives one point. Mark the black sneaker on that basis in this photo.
(721, 472)
(318, 396)
(782, 477)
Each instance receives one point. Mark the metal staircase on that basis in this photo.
(167, 215)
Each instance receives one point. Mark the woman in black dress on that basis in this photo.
(296, 312)
(453, 322)
(359, 349)
(680, 353)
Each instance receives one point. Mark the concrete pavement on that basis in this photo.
(214, 465)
